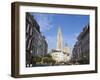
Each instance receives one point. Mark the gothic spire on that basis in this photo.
(59, 39)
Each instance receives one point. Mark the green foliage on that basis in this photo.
(37, 59)
(49, 56)
(47, 59)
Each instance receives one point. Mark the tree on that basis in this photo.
(36, 59)
(48, 59)
(49, 56)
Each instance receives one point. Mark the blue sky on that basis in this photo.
(71, 25)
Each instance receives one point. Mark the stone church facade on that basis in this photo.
(60, 54)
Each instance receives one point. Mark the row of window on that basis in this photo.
(34, 40)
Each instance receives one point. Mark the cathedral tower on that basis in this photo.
(59, 39)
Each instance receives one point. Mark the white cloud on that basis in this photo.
(51, 40)
(44, 21)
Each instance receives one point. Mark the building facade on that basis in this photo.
(80, 51)
(60, 54)
(36, 44)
